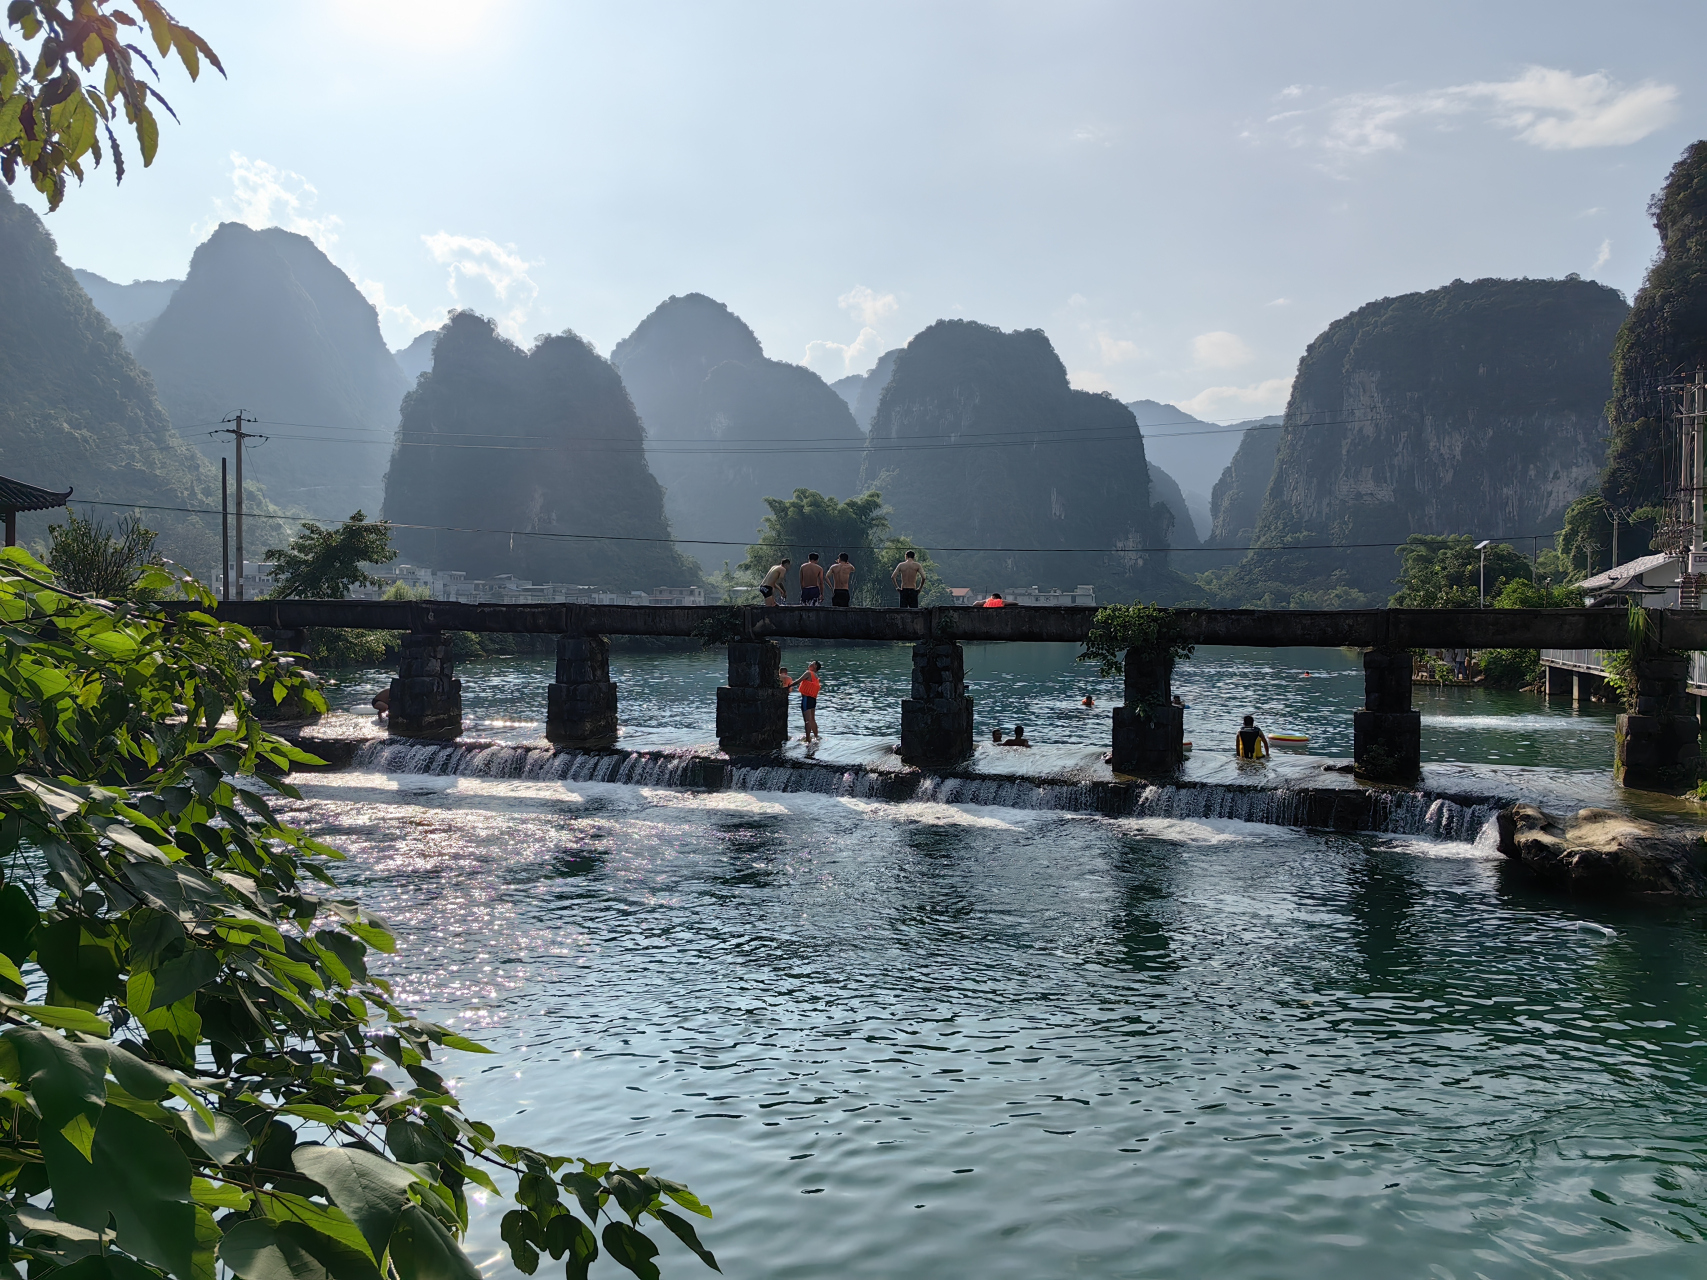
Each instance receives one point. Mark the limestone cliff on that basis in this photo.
(534, 461)
(1007, 475)
(266, 323)
(1470, 409)
(726, 428)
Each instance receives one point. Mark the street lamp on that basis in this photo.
(1482, 581)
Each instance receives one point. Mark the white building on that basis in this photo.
(1079, 595)
(1651, 580)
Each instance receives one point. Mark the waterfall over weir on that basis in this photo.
(1340, 808)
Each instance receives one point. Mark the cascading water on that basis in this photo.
(1398, 812)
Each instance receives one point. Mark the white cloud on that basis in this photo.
(1225, 403)
(1544, 107)
(263, 195)
(1220, 350)
(832, 360)
(1279, 302)
(397, 318)
(499, 276)
(1089, 380)
(1604, 256)
(1118, 350)
(868, 306)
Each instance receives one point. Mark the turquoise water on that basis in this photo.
(918, 1040)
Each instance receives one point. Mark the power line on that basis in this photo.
(728, 542)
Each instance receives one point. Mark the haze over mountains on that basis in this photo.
(265, 322)
(726, 427)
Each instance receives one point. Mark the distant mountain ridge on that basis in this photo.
(78, 412)
(266, 323)
(726, 427)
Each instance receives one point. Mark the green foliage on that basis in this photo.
(90, 558)
(1521, 593)
(728, 587)
(1510, 668)
(1148, 628)
(403, 591)
(323, 564)
(350, 647)
(1665, 332)
(1445, 572)
(1621, 675)
(1585, 541)
(190, 1026)
(51, 117)
(810, 522)
(723, 627)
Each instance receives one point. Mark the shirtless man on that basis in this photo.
(812, 581)
(907, 577)
(775, 585)
(841, 574)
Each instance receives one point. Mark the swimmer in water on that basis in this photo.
(1087, 701)
(1251, 743)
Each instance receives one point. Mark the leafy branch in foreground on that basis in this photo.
(1117, 628)
(50, 118)
(196, 1065)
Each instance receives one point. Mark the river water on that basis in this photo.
(929, 1040)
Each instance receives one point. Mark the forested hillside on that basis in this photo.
(1043, 484)
(1664, 337)
(265, 322)
(541, 450)
(78, 412)
(725, 427)
(1477, 408)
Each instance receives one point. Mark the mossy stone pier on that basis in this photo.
(1659, 742)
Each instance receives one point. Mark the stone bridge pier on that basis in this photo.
(752, 709)
(1149, 730)
(580, 705)
(1658, 745)
(1386, 734)
(426, 699)
(936, 722)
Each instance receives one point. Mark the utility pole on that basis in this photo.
(238, 436)
(224, 533)
(1482, 580)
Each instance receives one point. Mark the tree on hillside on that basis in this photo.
(50, 119)
(1446, 572)
(810, 521)
(323, 564)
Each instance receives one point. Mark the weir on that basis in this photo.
(1658, 743)
(1399, 812)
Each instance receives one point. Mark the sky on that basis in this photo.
(1181, 196)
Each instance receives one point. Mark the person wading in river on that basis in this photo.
(907, 577)
(841, 574)
(1251, 742)
(812, 581)
(775, 585)
(809, 686)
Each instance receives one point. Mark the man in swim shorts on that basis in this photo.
(775, 585)
(841, 575)
(812, 581)
(1251, 743)
(907, 577)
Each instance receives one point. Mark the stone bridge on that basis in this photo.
(1657, 741)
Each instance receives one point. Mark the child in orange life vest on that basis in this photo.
(809, 686)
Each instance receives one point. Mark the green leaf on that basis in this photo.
(147, 134)
(64, 1078)
(111, 1266)
(18, 921)
(139, 1077)
(82, 965)
(582, 1247)
(62, 1016)
(683, 1230)
(370, 1189)
(465, 1044)
(632, 1249)
(80, 1133)
(260, 1249)
(422, 1249)
(218, 1195)
(414, 1143)
(682, 1196)
(631, 1193)
(179, 977)
(520, 1230)
(138, 1176)
(224, 1142)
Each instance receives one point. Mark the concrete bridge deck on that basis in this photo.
(1354, 628)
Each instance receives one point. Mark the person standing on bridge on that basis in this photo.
(908, 576)
(775, 585)
(840, 575)
(812, 581)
